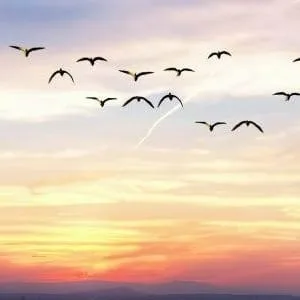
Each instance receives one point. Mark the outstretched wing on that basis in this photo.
(126, 72)
(178, 100)
(129, 100)
(99, 58)
(35, 49)
(52, 76)
(171, 69)
(143, 73)
(295, 94)
(162, 100)
(297, 59)
(225, 52)
(92, 98)
(17, 47)
(238, 125)
(280, 94)
(146, 100)
(66, 72)
(202, 122)
(83, 59)
(187, 69)
(257, 126)
(218, 123)
(108, 99)
(212, 54)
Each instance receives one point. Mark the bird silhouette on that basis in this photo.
(219, 54)
(101, 102)
(92, 60)
(211, 126)
(179, 71)
(288, 96)
(135, 75)
(171, 97)
(138, 98)
(61, 72)
(26, 51)
(247, 123)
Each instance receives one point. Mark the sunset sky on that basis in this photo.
(90, 193)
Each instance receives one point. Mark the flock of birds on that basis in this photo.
(136, 76)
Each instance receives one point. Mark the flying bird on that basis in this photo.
(247, 123)
(135, 75)
(179, 71)
(101, 102)
(138, 98)
(211, 126)
(92, 60)
(219, 54)
(26, 51)
(61, 72)
(171, 97)
(288, 96)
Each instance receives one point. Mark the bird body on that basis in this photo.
(247, 123)
(179, 71)
(219, 54)
(92, 60)
(26, 51)
(61, 72)
(138, 99)
(101, 102)
(135, 75)
(288, 96)
(211, 126)
(171, 97)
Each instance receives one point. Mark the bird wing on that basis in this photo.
(202, 122)
(162, 99)
(35, 49)
(143, 73)
(108, 99)
(18, 48)
(178, 100)
(257, 126)
(280, 94)
(92, 98)
(225, 52)
(149, 102)
(126, 72)
(187, 69)
(129, 100)
(295, 94)
(66, 72)
(171, 69)
(83, 59)
(218, 123)
(52, 76)
(238, 125)
(297, 59)
(99, 58)
(212, 54)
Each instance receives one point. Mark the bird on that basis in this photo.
(247, 122)
(171, 97)
(101, 102)
(179, 71)
(92, 60)
(219, 54)
(61, 72)
(211, 126)
(135, 75)
(288, 96)
(138, 98)
(27, 50)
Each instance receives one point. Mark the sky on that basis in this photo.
(130, 193)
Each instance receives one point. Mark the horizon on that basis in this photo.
(145, 195)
